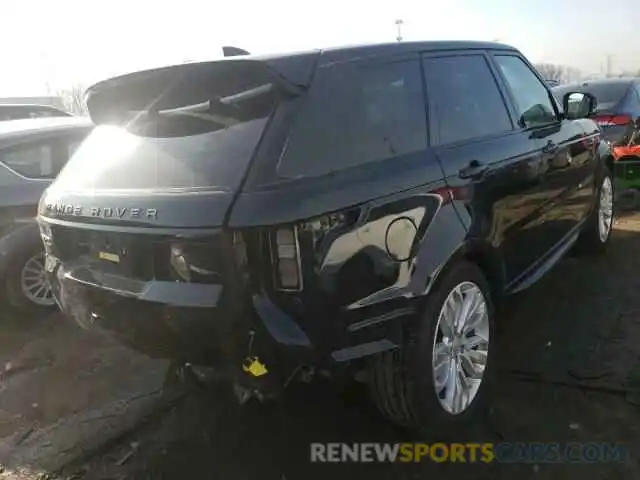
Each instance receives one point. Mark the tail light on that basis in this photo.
(286, 252)
(612, 120)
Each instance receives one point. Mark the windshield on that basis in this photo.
(203, 145)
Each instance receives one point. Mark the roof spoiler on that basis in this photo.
(166, 88)
(229, 51)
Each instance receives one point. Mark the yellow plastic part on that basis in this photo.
(254, 367)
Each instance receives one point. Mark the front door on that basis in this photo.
(495, 167)
(565, 153)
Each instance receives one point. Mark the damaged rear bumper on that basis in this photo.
(209, 325)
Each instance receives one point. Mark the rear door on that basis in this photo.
(495, 166)
(568, 160)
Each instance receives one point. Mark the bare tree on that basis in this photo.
(559, 73)
(73, 99)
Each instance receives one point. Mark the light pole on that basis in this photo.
(399, 24)
(609, 63)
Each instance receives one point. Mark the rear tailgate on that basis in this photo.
(152, 184)
(172, 145)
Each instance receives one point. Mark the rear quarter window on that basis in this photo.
(356, 115)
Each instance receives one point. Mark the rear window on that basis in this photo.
(608, 95)
(206, 144)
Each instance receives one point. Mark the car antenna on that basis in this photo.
(233, 51)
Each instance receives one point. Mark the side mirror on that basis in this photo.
(578, 105)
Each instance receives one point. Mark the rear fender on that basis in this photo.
(447, 249)
(445, 243)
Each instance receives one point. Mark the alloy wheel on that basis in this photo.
(461, 347)
(605, 209)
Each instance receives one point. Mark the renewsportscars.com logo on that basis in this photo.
(504, 452)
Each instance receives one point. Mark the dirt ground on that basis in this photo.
(569, 370)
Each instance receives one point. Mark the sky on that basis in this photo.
(52, 44)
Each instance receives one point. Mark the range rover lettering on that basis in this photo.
(356, 211)
(106, 212)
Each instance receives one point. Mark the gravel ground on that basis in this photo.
(568, 371)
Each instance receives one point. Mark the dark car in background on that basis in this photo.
(32, 152)
(23, 111)
(618, 104)
(359, 211)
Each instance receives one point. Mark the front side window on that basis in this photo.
(355, 115)
(31, 161)
(532, 99)
(464, 99)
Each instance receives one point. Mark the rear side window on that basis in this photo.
(355, 115)
(464, 99)
(531, 96)
(32, 160)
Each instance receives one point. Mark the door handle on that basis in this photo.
(474, 170)
(550, 148)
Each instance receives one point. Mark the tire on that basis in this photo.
(21, 265)
(402, 382)
(593, 241)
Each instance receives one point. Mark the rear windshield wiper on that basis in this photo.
(247, 94)
(204, 110)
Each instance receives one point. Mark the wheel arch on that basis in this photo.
(605, 155)
(486, 257)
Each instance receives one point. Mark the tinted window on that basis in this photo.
(355, 115)
(532, 98)
(207, 144)
(465, 99)
(32, 161)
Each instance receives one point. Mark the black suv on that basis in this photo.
(355, 211)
